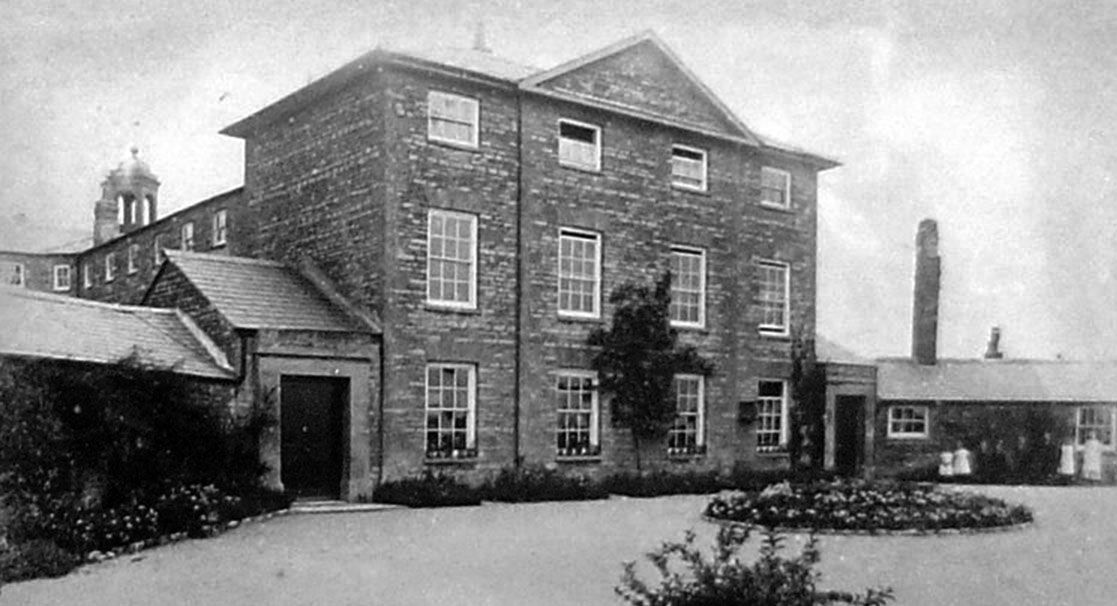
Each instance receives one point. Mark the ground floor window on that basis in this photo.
(771, 416)
(907, 421)
(686, 434)
(1096, 420)
(577, 430)
(451, 410)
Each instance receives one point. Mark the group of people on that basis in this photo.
(1091, 458)
(1087, 465)
(957, 463)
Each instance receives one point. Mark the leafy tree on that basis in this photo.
(637, 359)
(808, 395)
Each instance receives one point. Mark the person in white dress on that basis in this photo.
(1091, 458)
(963, 461)
(946, 464)
(1066, 458)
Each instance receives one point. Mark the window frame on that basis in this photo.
(133, 252)
(582, 234)
(923, 409)
(786, 175)
(110, 266)
(1079, 428)
(784, 430)
(220, 227)
(57, 284)
(16, 271)
(87, 275)
(699, 418)
(470, 450)
(704, 185)
(776, 330)
(157, 250)
(598, 145)
(475, 140)
(701, 254)
(594, 448)
(471, 304)
(185, 243)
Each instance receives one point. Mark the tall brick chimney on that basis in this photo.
(925, 308)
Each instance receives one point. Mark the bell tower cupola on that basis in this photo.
(129, 199)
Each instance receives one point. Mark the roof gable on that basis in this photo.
(261, 294)
(642, 75)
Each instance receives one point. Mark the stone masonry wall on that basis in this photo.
(38, 270)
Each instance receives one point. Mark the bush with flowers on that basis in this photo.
(864, 506)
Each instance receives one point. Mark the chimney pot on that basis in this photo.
(993, 351)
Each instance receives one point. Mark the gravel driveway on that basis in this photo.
(570, 553)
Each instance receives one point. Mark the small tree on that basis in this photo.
(638, 359)
(808, 395)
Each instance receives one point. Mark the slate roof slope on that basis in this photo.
(467, 59)
(980, 380)
(256, 293)
(41, 325)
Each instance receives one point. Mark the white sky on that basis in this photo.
(996, 118)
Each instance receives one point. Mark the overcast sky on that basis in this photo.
(998, 119)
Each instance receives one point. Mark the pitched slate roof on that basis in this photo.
(980, 380)
(467, 59)
(41, 325)
(256, 293)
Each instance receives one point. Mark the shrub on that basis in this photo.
(723, 579)
(865, 506)
(427, 490)
(747, 479)
(528, 484)
(664, 483)
(34, 559)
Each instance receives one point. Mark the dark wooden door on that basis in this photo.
(311, 420)
(848, 441)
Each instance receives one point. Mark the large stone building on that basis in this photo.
(455, 223)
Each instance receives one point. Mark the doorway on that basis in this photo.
(849, 434)
(311, 435)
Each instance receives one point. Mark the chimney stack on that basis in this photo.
(479, 43)
(993, 351)
(925, 312)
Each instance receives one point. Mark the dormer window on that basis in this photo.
(579, 145)
(688, 168)
(452, 119)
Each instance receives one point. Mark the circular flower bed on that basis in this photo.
(860, 506)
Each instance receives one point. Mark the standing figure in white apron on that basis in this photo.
(963, 461)
(946, 464)
(1091, 458)
(1066, 458)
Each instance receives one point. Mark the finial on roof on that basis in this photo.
(479, 43)
(135, 150)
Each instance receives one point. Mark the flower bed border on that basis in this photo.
(175, 537)
(918, 532)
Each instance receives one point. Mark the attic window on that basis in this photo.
(579, 145)
(688, 168)
(452, 118)
(186, 241)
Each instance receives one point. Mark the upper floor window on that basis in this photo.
(773, 296)
(579, 273)
(220, 225)
(577, 431)
(688, 287)
(157, 251)
(686, 434)
(452, 259)
(15, 275)
(907, 421)
(61, 277)
(451, 411)
(688, 167)
(187, 237)
(452, 118)
(579, 145)
(110, 267)
(86, 275)
(775, 187)
(771, 416)
(133, 253)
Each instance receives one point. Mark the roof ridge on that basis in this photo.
(172, 253)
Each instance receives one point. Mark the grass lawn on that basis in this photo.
(570, 553)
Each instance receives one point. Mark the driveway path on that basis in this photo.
(570, 553)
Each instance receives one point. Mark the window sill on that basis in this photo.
(463, 461)
(582, 169)
(580, 319)
(578, 459)
(688, 455)
(690, 190)
(443, 308)
(907, 437)
(701, 328)
(455, 145)
(771, 334)
(772, 451)
(787, 210)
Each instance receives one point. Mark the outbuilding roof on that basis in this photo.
(41, 325)
(982, 380)
(261, 294)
